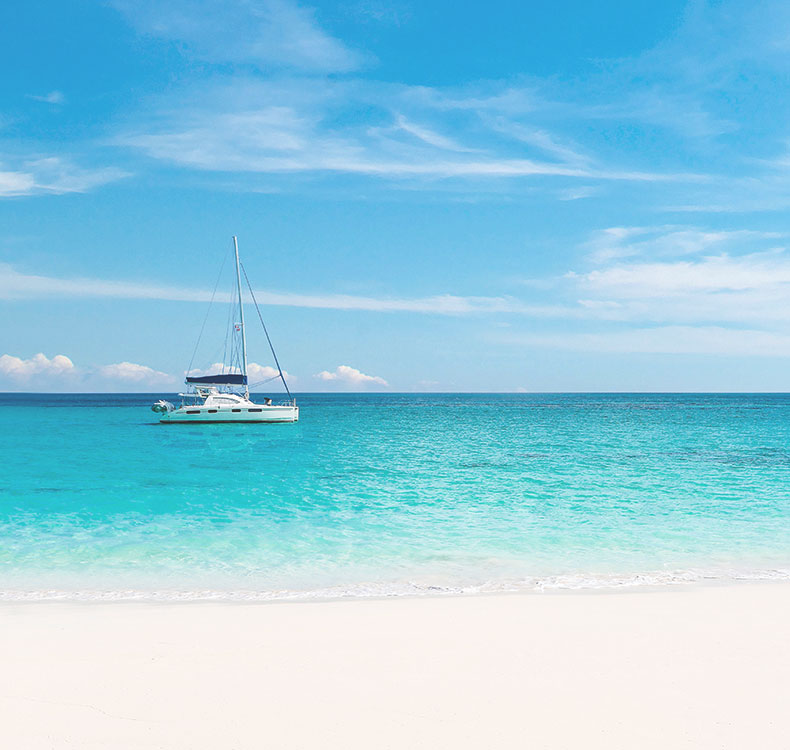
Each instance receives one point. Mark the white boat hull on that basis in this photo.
(225, 395)
(227, 414)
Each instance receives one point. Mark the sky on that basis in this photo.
(435, 196)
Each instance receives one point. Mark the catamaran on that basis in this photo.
(225, 396)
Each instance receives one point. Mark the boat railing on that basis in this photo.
(197, 396)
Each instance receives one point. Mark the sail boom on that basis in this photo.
(227, 379)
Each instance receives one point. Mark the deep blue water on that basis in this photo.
(389, 493)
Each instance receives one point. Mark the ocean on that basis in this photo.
(392, 494)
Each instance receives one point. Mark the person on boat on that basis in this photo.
(267, 401)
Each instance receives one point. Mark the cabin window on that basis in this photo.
(212, 411)
(194, 411)
(235, 409)
(254, 409)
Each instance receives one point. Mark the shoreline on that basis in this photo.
(699, 667)
(637, 583)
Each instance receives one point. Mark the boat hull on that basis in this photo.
(228, 415)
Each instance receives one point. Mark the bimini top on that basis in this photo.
(229, 379)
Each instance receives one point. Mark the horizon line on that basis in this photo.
(419, 393)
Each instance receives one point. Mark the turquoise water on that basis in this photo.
(390, 494)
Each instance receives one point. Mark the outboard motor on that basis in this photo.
(162, 407)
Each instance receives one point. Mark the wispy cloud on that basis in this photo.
(53, 97)
(710, 274)
(281, 113)
(684, 275)
(54, 175)
(16, 183)
(17, 285)
(660, 105)
(540, 139)
(764, 188)
(577, 193)
(426, 135)
(665, 277)
(249, 126)
(669, 240)
(263, 32)
(492, 98)
(483, 131)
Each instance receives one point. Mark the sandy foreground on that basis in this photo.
(678, 668)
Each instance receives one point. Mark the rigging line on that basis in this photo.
(228, 323)
(263, 382)
(200, 335)
(260, 317)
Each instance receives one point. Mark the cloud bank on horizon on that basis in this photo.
(60, 374)
(542, 198)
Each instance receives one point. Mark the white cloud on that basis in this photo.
(283, 141)
(214, 369)
(622, 242)
(426, 135)
(40, 371)
(350, 376)
(753, 287)
(649, 283)
(16, 183)
(54, 175)
(39, 364)
(657, 105)
(257, 373)
(721, 273)
(297, 125)
(249, 142)
(575, 194)
(500, 99)
(61, 374)
(135, 373)
(266, 32)
(540, 139)
(53, 97)
(17, 285)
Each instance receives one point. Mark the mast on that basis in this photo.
(241, 315)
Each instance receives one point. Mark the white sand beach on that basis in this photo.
(685, 667)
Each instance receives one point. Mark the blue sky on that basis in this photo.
(428, 196)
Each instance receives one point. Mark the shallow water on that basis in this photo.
(388, 494)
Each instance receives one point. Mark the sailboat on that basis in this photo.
(225, 396)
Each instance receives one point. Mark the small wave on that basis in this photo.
(379, 590)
